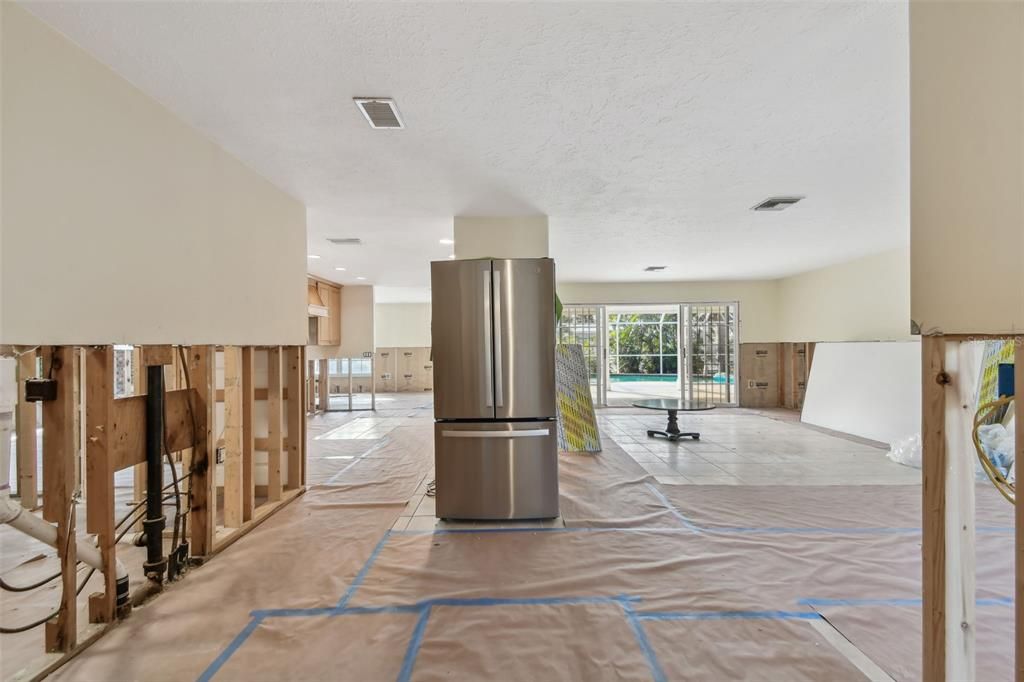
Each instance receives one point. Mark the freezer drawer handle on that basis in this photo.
(525, 433)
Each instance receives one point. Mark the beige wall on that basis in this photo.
(356, 321)
(758, 299)
(402, 324)
(866, 299)
(123, 224)
(967, 166)
(490, 237)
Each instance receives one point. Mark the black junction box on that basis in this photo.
(40, 390)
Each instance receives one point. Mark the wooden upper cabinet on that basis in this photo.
(329, 328)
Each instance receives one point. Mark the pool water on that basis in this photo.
(672, 378)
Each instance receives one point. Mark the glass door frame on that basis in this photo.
(686, 358)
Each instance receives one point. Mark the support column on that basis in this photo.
(494, 237)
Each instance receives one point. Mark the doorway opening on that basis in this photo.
(636, 352)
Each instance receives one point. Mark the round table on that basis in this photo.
(673, 406)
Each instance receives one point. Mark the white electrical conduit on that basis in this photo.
(15, 516)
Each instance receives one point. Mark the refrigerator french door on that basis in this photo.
(495, 439)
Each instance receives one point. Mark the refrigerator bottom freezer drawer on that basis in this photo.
(496, 470)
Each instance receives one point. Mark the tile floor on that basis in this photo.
(741, 447)
(737, 447)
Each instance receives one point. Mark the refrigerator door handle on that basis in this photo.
(499, 365)
(523, 433)
(487, 322)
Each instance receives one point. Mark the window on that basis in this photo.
(643, 343)
(339, 367)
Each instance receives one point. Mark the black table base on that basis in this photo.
(672, 431)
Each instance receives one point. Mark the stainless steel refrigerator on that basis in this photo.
(495, 436)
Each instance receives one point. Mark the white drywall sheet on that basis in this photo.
(867, 389)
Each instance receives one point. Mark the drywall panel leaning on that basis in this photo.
(867, 389)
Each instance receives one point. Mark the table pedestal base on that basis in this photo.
(672, 431)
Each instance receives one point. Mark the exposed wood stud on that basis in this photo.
(275, 424)
(248, 444)
(323, 385)
(100, 474)
(933, 476)
(203, 509)
(309, 383)
(59, 479)
(233, 479)
(302, 418)
(28, 453)
(960, 520)
(139, 472)
(296, 417)
(157, 355)
(1018, 361)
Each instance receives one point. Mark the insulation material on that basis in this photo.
(577, 422)
(645, 581)
(868, 389)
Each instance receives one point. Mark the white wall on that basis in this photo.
(872, 390)
(400, 325)
(967, 166)
(123, 224)
(758, 299)
(866, 299)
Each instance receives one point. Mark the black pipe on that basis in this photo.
(154, 523)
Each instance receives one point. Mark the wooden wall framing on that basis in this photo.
(89, 435)
(948, 585)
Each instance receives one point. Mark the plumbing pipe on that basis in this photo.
(156, 562)
(14, 515)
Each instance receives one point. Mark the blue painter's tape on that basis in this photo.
(364, 570)
(238, 641)
(996, 601)
(413, 650)
(645, 645)
(672, 508)
(728, 615)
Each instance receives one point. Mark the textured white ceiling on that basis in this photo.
(644, 131)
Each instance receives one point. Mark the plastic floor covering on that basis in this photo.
(646, 581)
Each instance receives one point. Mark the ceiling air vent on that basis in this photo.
(655, 268)
(776, 203)
(345, 241)
(380, 112)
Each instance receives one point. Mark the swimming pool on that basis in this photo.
(670, 378)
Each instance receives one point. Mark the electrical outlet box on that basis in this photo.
(40, 390)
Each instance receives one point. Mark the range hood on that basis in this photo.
(316, 305)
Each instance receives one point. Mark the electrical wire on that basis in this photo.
(42, 581)
(1005, 488)
(67, 546)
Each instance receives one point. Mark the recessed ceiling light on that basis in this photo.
(360, 278)
(379, 112)
(340, 269)
(312, 255)
(776, 203)
(447, 242)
